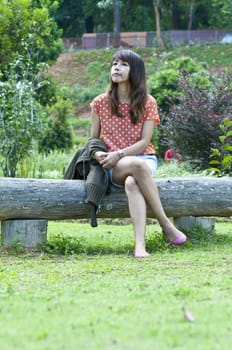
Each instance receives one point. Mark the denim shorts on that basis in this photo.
(150, 160)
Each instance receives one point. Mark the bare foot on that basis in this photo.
(141, 253)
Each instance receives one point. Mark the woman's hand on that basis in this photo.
(110, 159)
(100, 156)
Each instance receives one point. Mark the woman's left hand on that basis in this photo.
(110, 160)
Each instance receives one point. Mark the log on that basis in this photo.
(66, 199)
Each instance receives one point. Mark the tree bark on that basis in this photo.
(191, 7)
(66, 199)
(158, 28)
(116, 17)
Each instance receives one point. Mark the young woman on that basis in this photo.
(124, 118)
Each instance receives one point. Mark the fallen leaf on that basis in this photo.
(188, 315)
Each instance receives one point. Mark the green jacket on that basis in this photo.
(84, 166)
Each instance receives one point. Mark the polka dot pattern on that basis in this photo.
(118, 132)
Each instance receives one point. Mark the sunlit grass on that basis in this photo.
(102, 298)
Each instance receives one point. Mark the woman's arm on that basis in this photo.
(95, 125)
(95, 132)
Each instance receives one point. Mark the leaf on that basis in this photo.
(215, 152)
(216, 170)
(227, 161)
(227, 122)
(222, 138)
(229, 133)
(188, 315)
(215, 162)
(227, 147)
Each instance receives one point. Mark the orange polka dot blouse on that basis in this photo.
(118, 132)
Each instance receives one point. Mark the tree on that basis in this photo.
(21, 118)
(156, 4)
(191, 7)
(29, 37)
(222, 11)
(78, 17)
(21, 21)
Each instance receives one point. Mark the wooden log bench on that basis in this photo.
(27, 204)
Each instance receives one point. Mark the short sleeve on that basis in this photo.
(151, 110)
(99, 103)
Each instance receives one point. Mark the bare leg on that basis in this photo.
(141, 173)
(137, 208)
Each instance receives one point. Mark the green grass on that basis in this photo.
(104, 299)
(53, 165)
(211, 54)
(90, 69)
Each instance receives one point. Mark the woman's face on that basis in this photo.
(120, 71)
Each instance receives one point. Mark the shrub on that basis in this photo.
(221, 157)
(58, 134)
(21, 116)
(47, 88)
(163, 85)
(193, 124)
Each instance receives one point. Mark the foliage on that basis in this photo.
(171, 169)
(73, 16)
(47, 91)
(90, 16)
(58, 134)
(63, 244)
(22, 22)
(201, 234)
(224, 7)
(221, 157)
(21, 116)
(77, 70)
(193, 125)
(45, 166)
(163, 84)
(212, 55)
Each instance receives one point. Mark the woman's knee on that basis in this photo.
(139, 166)
(130, 184)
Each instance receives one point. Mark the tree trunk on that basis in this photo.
(116, 17)
(158, 28)
(66, 199)
(190, 22)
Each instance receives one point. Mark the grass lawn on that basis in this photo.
(102, 298)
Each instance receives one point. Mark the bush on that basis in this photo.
(58, 134)
(163, 85)
(221, 157)
(193, 124)
(46, 93)
(21, 116)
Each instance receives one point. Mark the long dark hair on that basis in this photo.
(138, 88)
